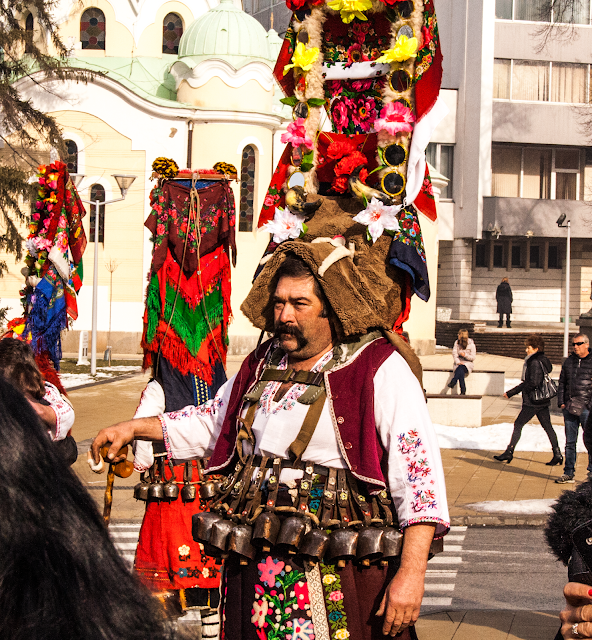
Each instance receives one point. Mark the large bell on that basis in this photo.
(369, 546)
(156, 490)
(141, 489)
(342, 546)
(220, 532)
(392, 543)
(314, 545)
(266, 530)
(188, 492)
(209, 490)
(171, 490)
(291, 533)
(239, 541)
(202, 524)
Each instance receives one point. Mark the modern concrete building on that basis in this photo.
(517, 157)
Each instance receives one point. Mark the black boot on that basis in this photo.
(556, 459)
(452, 384)
(508, 325)
(506, 456)
(500, 325)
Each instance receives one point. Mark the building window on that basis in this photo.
(554, 262)
(97, 192)
(538, 173)
(172, 30)
(71, 158)
(577, 12)
(440, 156)
(536, 255)
(481, 254)
(92, 29)
(29, 26)
(536, 81)
(517, 256)
(247, 189)
(499, 255)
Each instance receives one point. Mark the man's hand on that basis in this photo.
(562, 406)
(578, 609)
(123, 433)
(402, 599)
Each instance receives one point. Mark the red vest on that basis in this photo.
(350, 393)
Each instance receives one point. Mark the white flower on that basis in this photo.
(378, 217)
(285, 225)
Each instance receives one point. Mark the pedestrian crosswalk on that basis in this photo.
(125, 539)
(442, 570)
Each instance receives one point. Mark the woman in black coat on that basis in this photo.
(503, 295)
(536, 364)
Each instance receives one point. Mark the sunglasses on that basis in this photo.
(578, 344)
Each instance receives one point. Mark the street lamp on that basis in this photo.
(566, 225)
(124, 182)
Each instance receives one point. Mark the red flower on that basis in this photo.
(339, 184)
(340, 148)
(295, 5)
(363, 175)
(360, 29)
(355, 53)
(346, 165)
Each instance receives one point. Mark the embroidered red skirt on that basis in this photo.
(167, 557)
(274, 597)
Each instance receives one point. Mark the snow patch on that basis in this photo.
(518, 507)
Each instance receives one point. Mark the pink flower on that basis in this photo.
(335, 596)
(297, 135)
(361, 85)
(355, 53)
(269, 570)
(271, 199)
(364, 114)
(395, 118)
(301, 593)
(335, 87)
(160, 229)
(340, 114)
(36, 216)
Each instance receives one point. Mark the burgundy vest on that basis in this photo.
(350, 393)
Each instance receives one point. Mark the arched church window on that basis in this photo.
(172, 30)
(97, 192)
(29, 25)
(247, 189)
(92, 29)
(71, 158)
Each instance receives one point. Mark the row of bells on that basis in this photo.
(159, 490)
(295, 535)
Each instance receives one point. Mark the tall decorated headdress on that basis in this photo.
(362, 78)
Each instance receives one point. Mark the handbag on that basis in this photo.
(547, 389)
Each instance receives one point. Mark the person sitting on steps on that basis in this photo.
(464, 353)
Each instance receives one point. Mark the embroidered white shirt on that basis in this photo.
(415, 473)
(63, 410)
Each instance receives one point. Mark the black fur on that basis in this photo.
(572, 509)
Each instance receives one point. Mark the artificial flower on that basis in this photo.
(340, 148)
(348, 163)
(395, 117)
(297, 134)
(350, 9)
(303, 58)
(356, 54)
(284, 226)
(404, 49)
(340, 114)
(364, 114)
(379, 217)
(339, 184)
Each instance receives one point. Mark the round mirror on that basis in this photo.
(405, 30)
(301, 110)
(296, 180)
(302, 36)
(395, 154)
(393, 183)
(296, 156)
(404, 101)
(404, 9)
(399, 80)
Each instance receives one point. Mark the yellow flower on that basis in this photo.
(404, 49)
(350, 9)
(342, 634)
(329, 579)
(303, 58)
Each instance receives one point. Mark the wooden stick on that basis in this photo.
(108, 495)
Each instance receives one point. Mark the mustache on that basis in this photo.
(291, 330)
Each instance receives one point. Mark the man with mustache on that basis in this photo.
(355, 414)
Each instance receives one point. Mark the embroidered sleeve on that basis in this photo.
(192, 431)
(415, 473)
(63, 410)
(152, 403)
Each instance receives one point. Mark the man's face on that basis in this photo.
(298, 324)
(581, 348)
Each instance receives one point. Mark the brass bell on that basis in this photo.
(314, 545)
(202, 524)
(369, 545)
(239, 541)
(171, 490)
(291, 533)
(392, 543)
(141, 489)
(188, 492)
(209, 490)
(156, 490)
(266, 530)
(342, 546)
(220, 532)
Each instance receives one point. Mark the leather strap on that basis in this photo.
(302, 440)
(297, 377)
(246, 432)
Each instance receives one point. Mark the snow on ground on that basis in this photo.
(70, 380)
(510, 383)
(520, 507)
(496, 437)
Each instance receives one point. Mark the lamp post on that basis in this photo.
(124, 182)
(566, 225)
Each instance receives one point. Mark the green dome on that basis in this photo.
(226, 32)
(275, 44)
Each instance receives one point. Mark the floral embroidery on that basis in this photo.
(334, 602)
(354, 105)
(418, 471)
(281, 610)
(409, 231)
(184, 553)
(429, 32)
(424, 500)
(369, 39)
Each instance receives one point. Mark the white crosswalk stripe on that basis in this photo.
(439, 579)
(125, 539)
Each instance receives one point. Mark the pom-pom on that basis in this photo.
(165, 167)
(225, 167)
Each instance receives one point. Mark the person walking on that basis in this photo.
(536, 365)
(574, 396)
(464, 353)
(503, 295)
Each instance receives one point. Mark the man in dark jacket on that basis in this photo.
(504, 298)
(574, 396)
